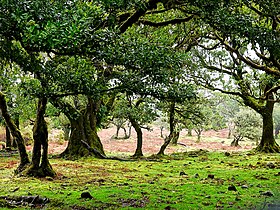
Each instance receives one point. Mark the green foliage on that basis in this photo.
(126, 106)
(248, 124)
(48, 25)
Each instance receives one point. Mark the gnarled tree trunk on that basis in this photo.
(83, 128)
(24, 160)
(40, 166)
(268, 143)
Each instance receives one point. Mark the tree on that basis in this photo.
(187, 113)
(248, 125)
(24, 160)
(83, 121)
(139, 111)
(239, 27)
(250, 37)
(40, 166)
(227, 107)
(276, 120)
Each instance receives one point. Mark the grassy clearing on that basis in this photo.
(195, 180)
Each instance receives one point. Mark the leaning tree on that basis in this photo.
(240, 40)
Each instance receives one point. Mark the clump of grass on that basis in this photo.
(202, 180)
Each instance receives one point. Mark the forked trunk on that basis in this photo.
(167, 141)
(40, 166)
(24, 160)
(235, 142)
(83, 128)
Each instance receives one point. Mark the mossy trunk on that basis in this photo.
(24, 160)
(8, 138)
(175, 137)
(66, 132)
(268, 143)
(40, 166)
(138, 130)
(83, 128)
(16, 120)
(277, 129)
(189, 132)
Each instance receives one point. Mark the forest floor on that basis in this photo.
(206, 175)
(211, 140)
(191, 180)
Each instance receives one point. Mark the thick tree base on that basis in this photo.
(39, 172)
(70, 155)
(21, 168)
(136, 156)
(268, 148)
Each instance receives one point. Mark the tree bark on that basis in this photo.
(235, 142)
(268, 143)
(24, 160)
(8, 138)
(40, 166)
(16, 120)
(198, 133)
(138, 130)
(83, 128)
(66, 129)
(276, 132)
(171, 135)
(189, 132)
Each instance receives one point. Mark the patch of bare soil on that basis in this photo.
(211, 140)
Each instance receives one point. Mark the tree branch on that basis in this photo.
(152, 4)
(165, 23)
(247, 60)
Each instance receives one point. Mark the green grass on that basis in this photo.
(153, 184)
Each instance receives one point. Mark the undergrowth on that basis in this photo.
(194, 180)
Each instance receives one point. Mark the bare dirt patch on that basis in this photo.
(211, 140)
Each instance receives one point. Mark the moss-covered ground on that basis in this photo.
(195, 180)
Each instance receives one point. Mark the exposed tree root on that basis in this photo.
(268, 148)
(21, 168)
(42, 171)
